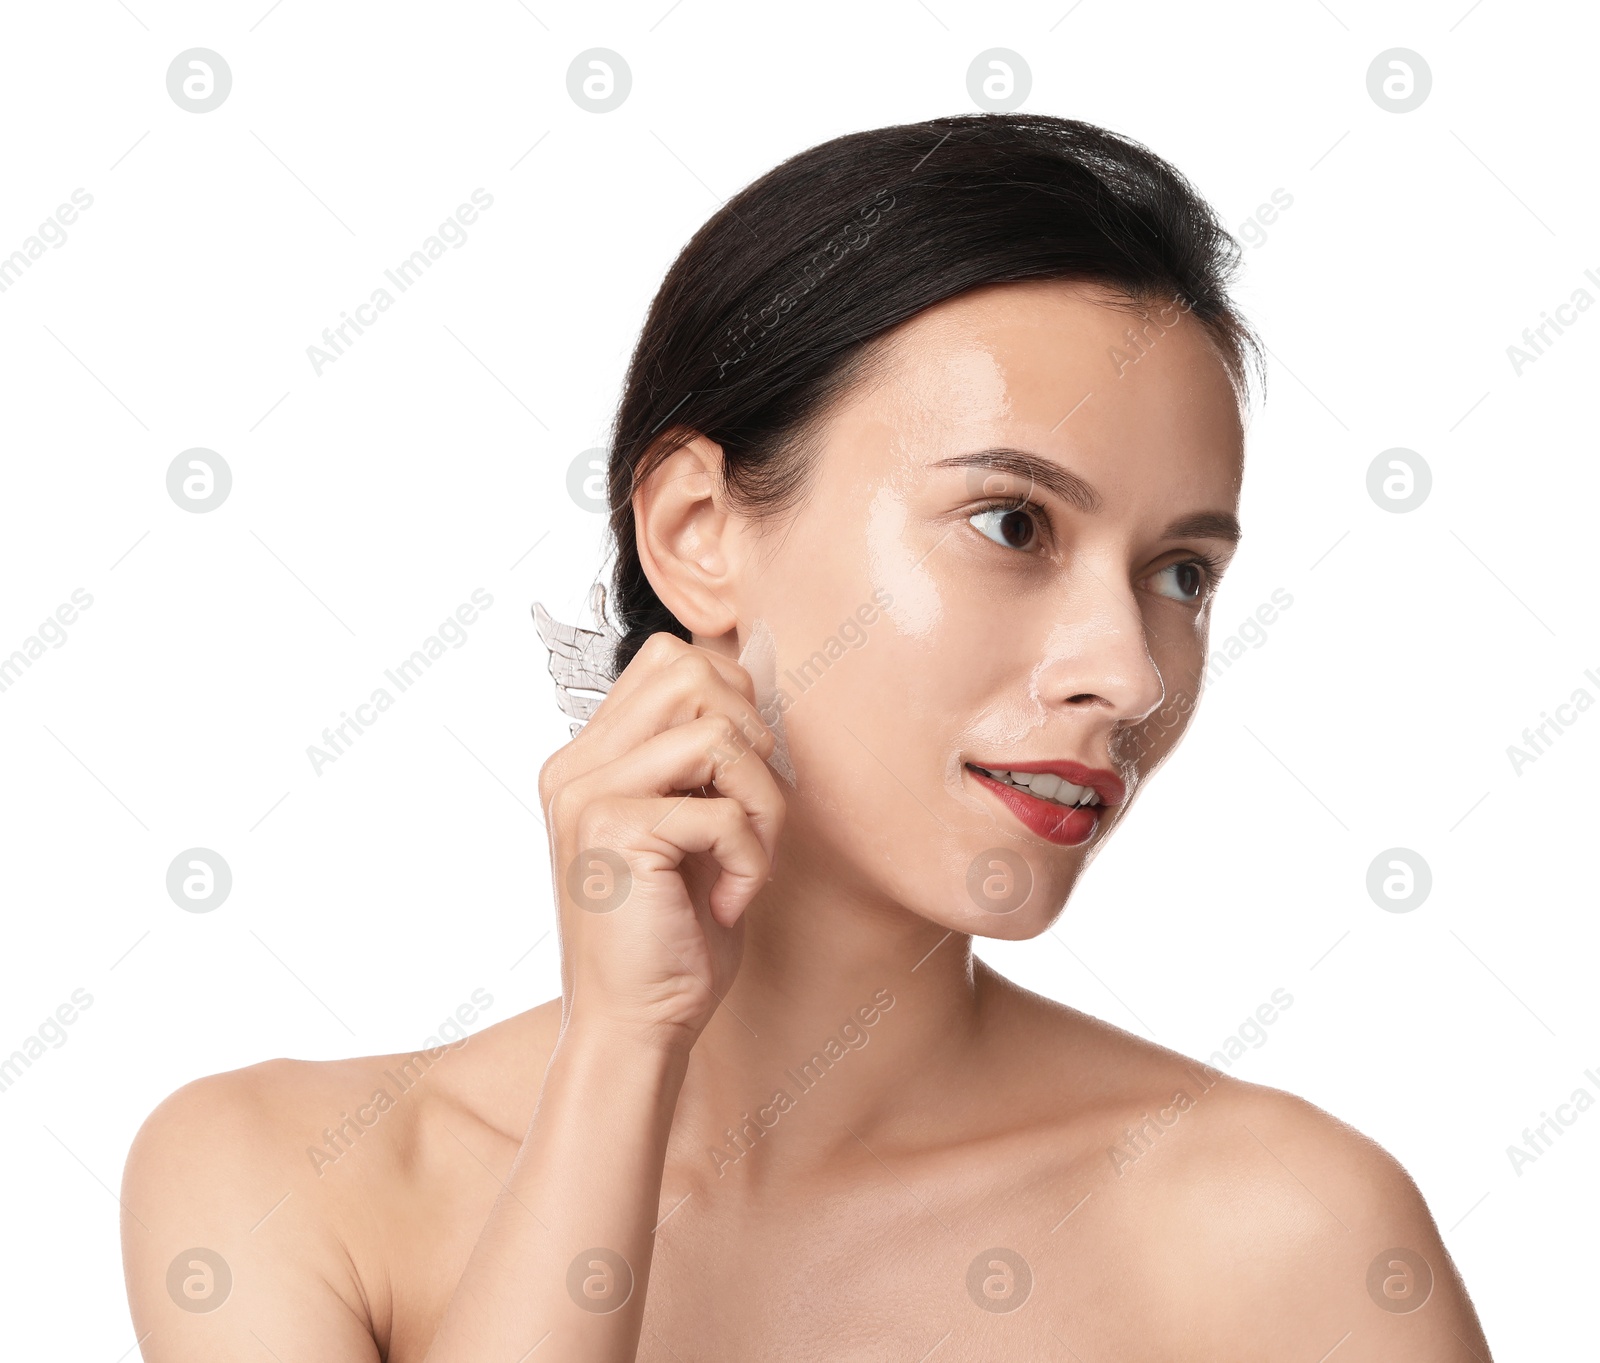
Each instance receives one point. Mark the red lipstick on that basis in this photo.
(1057, 823)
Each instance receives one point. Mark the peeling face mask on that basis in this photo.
(582, 662)
(759, 657)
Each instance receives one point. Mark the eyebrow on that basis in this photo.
(1075, 491)
(1206, 525)
(1045, 473)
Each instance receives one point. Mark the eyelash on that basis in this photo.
(1209, 562)
(1034, 509)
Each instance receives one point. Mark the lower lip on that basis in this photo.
(1055, 823)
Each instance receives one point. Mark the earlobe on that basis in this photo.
(684, 532)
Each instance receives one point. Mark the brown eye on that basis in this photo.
(1011, 527)
(1182, 581)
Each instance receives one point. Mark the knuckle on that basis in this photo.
(726, 747)
(760, 735)
(660, 648)
(729, 812)
(744, 681)
(598, 822)
(552, 777)
(564, 802)
(696, 671)
(723, 733)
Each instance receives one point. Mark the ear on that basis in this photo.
(688, 541)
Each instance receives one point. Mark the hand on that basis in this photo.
(663, 820)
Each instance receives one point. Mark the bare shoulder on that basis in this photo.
(1311, 1233)
(273, 1188)
(1258, 1224)
(217, 1210)
(1237, 1220)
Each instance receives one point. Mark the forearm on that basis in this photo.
(587, 1178)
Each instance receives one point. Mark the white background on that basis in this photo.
(431, 459)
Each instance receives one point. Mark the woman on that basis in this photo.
(939, 428)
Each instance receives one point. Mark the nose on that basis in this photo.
(1098, 656)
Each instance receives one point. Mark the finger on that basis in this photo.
(663, 831)
(661, 650)
(706, 752)
(721, 829)
(695, 683)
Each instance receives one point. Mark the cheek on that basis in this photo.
(859, 719)
(873, 708)
(897, 570)
(879, 744)
(870, 656)
(1177, 640)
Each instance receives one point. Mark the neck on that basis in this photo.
(848, 1016)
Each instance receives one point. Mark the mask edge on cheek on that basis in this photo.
(759, 657)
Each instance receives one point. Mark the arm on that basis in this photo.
(651, 885)
(233, 1253)
(228, 1246)
(564, 1257)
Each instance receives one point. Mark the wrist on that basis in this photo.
(613, 1075)
(624, 1041)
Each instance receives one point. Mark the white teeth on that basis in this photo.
(1047, 786)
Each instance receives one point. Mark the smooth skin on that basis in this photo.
(613, 1175)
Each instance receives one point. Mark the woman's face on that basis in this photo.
(1005, 562)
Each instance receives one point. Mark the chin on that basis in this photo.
(1020, 926)
(1010, 893)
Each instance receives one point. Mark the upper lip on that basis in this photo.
(1106, 784)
